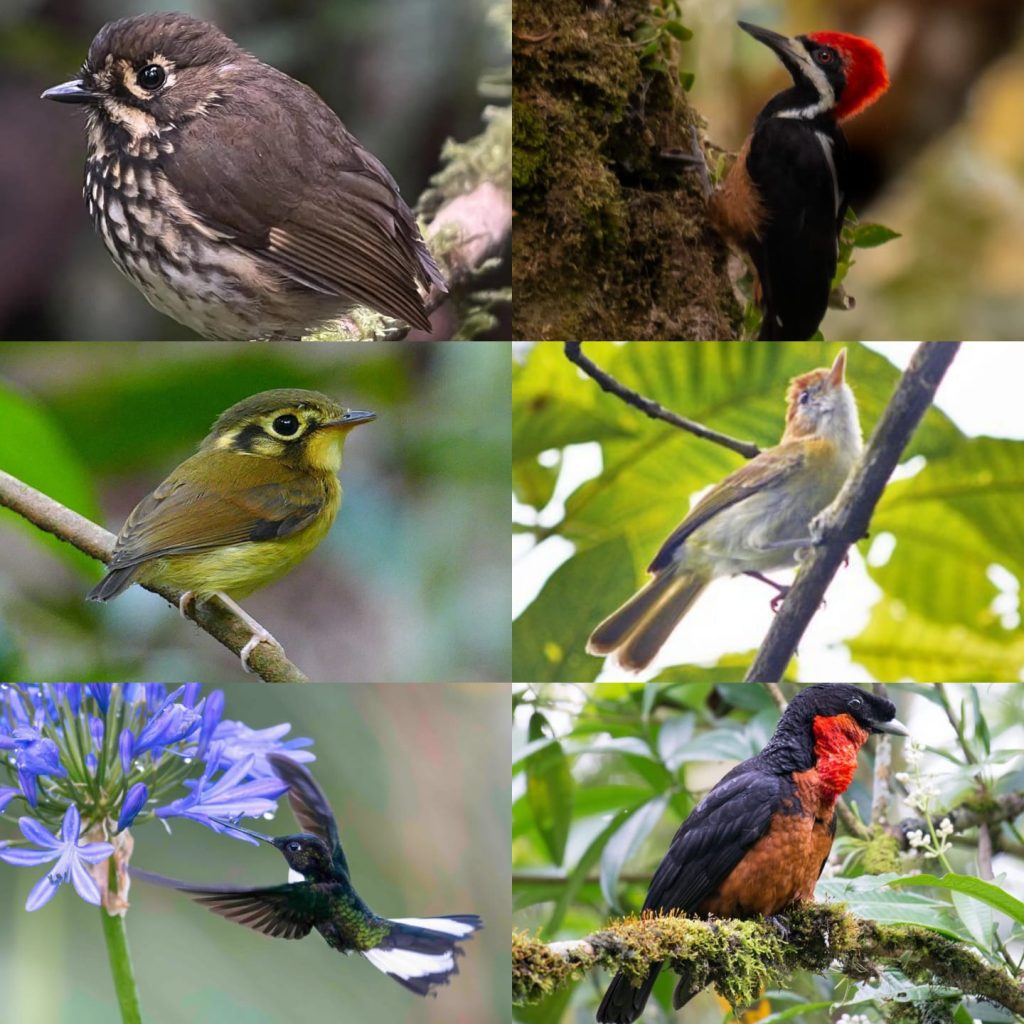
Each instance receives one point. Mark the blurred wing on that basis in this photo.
(281, 911)
(202, 506)
(768, 469)
(310, 806)
(714, 839)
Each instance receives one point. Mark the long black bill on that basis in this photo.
(70, 92)
(245, 831)
(775, 41)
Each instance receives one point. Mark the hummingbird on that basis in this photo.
(417, 952)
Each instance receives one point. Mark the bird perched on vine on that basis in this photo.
(760, 838)
(256, 498)
(757, 519)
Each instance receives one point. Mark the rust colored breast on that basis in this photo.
(784, 864)
(736, 208)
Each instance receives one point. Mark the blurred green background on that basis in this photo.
(411, 583)
(403, 76)
(418, 779)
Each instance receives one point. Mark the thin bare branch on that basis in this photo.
(574, 353)
(267, 661)
(847, 519)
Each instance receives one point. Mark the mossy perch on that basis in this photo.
(611, 239)
(742, 958)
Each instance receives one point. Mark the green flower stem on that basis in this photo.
(116, 936)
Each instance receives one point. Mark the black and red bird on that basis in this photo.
(759, 840)
(784, 200)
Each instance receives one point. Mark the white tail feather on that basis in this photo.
(438, 924)
(403, 963)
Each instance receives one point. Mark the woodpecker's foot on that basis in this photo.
(259, 634)
(694, 158)
(186, 602)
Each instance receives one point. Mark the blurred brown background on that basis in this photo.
(940, 158)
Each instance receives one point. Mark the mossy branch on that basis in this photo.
(742, 958)
(267, 661)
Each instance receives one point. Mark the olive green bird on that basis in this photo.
(256, 498)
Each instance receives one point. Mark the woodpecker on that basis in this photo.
(784, 199)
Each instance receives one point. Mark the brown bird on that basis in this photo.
(231, 195)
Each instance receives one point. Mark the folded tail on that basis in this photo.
(637, 630)
(115, 582)
(421, 952)
(624, 1002)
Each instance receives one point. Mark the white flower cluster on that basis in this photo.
(854, 1018)
(922, 790)
(920, 842)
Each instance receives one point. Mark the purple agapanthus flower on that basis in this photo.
(134, 800)
(230, 796)
(71, 858)
(7, 794)
(237, 741)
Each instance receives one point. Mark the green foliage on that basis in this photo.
(956, 512)
(658, 39)
(641, 755)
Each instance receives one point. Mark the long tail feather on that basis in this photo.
(637, 630)
(421, 952)
(623, 1002)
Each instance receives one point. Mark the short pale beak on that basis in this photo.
(352, 418)
(776, 42)
(70, 92)
(838, 374)
(896, 727)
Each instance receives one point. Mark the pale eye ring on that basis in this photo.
(151, 77)
(286, 425)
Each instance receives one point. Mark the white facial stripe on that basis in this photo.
(826, 145)
(438, 924)
(403, 963)
(817, 77)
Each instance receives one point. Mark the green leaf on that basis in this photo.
(35, 450)
(899, 645)
(686, 80)
(625, 842)
(579, 873)
(986, 892)
(678, 31)
(549, 791)
(549, 639)
(868, 896)
(792, 1012)
(869, 236)
(976, 916)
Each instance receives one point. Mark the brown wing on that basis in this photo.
(765, 470)
(201, 506)
(324, 211)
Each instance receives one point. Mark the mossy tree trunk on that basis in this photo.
(611, 240)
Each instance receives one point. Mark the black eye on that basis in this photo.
(294, 847)
(152, 76)
(805, 397)
(286, 425)
(824, 56)
(855, 702)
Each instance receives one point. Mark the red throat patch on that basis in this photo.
(837, 740)
(866, 76)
